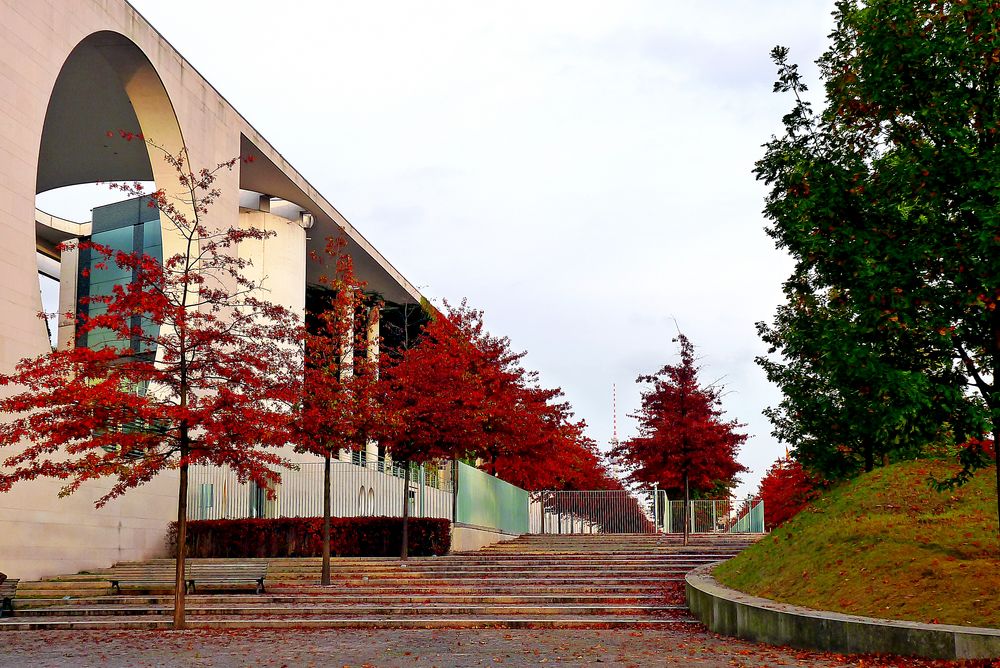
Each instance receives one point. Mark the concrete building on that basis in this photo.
(70, 70)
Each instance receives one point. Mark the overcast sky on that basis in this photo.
(579, 170)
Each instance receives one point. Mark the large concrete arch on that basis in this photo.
(71, 70)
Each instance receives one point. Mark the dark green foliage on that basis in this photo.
(889, 203)
(302, 537)
(855, 396)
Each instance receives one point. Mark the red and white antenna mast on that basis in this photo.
(614, 415)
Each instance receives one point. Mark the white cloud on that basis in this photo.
(580, 170)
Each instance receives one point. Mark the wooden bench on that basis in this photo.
(8, 589)
(195, 575)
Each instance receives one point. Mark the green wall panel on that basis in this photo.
(489, 502)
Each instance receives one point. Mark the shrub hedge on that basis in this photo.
(302, 537)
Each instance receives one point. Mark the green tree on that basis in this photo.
(891, 194)
(855, 396)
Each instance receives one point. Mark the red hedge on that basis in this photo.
(302, 537)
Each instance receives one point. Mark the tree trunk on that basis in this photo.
(687, 504)
(325, 576)
(869, 457)
(180, 583)
(996, 463)
(454, 496)
(405, 551)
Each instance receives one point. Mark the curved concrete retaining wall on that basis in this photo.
(734, 613)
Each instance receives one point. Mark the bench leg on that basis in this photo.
(7, 607)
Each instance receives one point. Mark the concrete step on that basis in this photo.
(490, 568)
(28, 605)
(355, 610)
(532, 575)
(421, 621)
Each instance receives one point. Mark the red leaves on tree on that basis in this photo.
(682, 438)
(786, 489)
(462, 392)
(339, 408)
(433, 396)
(208, 380)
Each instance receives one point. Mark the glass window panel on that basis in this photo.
(104, 288)
(120, 239)
(155, 252)
(112, 272)
(151, 234)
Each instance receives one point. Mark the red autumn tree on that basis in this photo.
(339, 408)
(786, 489)
(433, 401)
(199, 370)
(547, 450)
(527, 436)
(683, 444)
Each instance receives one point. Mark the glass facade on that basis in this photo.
(129, 226)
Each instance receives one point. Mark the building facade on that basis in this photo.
(70, 70)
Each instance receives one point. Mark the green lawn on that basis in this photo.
(886, 545)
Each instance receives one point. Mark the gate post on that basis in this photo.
(656, 508)
(541, 510)
(422, 481)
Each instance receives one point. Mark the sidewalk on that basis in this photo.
(387, 648)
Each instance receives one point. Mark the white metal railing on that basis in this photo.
(597, 511)
(706, 516)
(357, 488)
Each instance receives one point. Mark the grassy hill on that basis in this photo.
(885, 545)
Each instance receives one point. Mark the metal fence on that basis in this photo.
(710, 516)
(358, 487)
(750, 517)
(599, 511)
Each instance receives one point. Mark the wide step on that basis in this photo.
(533, 581)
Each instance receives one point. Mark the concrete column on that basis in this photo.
(372, 352)
(69, 266)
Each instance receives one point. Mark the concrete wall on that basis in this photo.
(734, 613)
(466, 538)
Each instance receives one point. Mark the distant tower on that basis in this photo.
(614, 415)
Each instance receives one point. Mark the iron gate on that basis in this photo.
(598, 511)
(640, 511)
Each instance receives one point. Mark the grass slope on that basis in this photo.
(885, 545)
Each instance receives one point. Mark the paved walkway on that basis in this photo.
(366, 648)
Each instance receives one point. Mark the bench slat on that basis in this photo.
(192, 577)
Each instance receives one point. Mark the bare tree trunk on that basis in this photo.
(325, 576)
(687, 504)
(180, 582)
(454, 496)
(404, 551)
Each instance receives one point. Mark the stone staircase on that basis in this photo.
(534, 581)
